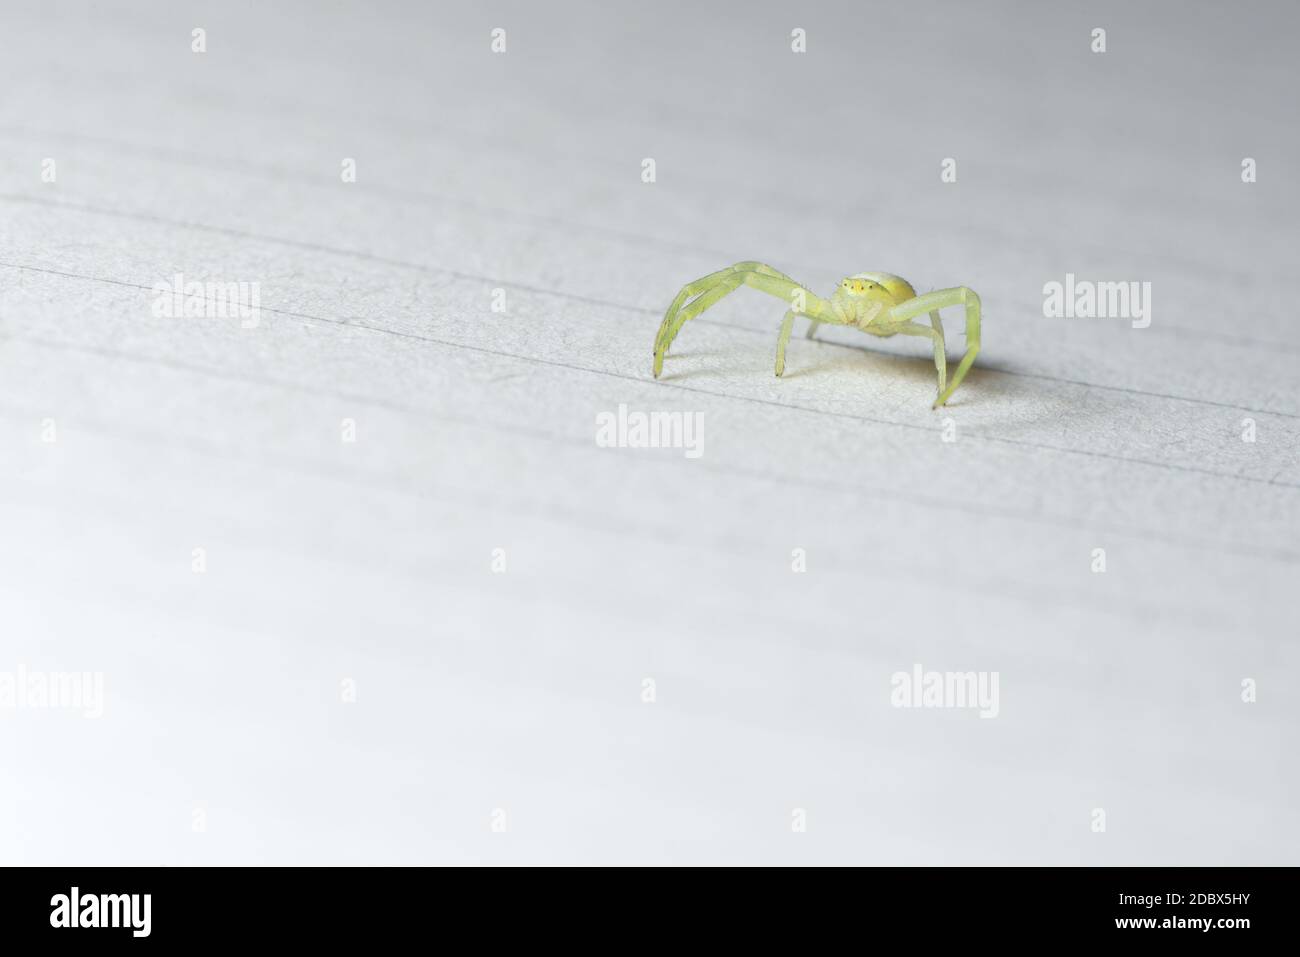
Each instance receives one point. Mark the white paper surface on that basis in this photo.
(515, 698)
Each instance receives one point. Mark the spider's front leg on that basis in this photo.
(932, 302)
(787, 324)
(935, 334)
(713, 287)
(706, 292)
(704, 284)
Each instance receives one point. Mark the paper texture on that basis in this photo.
(363, 586)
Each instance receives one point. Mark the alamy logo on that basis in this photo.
(102, 910)
(179, 299)
(53, 689)
(651, 430)
(1085, 299)
(945, 689)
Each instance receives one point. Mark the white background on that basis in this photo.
(522, 691)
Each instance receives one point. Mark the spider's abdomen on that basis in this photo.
(898, 288)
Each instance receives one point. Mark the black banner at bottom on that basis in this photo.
(379, 906)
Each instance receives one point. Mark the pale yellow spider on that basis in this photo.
(875, 302)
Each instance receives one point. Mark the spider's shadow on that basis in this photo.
(864, 361)
(984, 383)
(827, 357)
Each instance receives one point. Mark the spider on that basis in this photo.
(875, 302)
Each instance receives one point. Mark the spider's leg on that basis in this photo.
(762, 268)
(940, 354)
(704, 285)
(696, 306)
(714, 287)
(810, 304)
(688, 290)
(812, 328)
(936, 336)
(820, 308)
(783, 339)
(933, 302)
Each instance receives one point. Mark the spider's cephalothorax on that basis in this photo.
(864, 297)
(878, 303)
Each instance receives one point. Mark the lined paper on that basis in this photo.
(426, 604)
